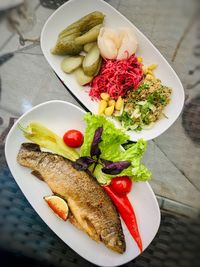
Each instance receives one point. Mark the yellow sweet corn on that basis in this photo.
(119, 103)
(109, 110)
(102, 105)
(105, 96)
(111, 102)
(152, 67)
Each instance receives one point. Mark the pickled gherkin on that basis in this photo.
(90, 36)
(84, 24)
(66, 44)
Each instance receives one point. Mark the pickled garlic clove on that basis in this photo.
(108, 43)
(128, 43)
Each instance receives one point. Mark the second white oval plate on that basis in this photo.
(60, 116)
(74, 10)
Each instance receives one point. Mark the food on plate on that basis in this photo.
(91, 61)
(109, 110)
(124, 88)
(121, 184)
(66, 42)
(103, 165)
(91, 208)
(108, 43)
(145, 105)
(67, 46)
(102, 106)
(84, 24)
(90, 36)
(116, 78)
(105, 96)
(88, 46)
(109, 106)
(71, 63)
(41, 135)
(119, 103)
(118, 43)
(58, 205)
(102, 152)
(128, 43)
(81, 77)
(79, 37)
(73, 138)
(127, 213)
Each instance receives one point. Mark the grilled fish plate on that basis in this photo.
(59, 116)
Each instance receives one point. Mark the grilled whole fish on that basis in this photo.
(91, 209)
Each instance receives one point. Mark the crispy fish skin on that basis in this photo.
(90, 206)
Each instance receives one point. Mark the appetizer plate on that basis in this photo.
(54, 115)
(74, 10)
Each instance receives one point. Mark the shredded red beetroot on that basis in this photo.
(116, 77)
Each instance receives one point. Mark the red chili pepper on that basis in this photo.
(127, 213)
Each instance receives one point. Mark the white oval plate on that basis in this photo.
(74, 10)
(60, 116)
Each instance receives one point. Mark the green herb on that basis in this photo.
(139, 128)
(146, 120)
(141, 87)
(163, 99)
(150, 98)
(125, 119)
(145, 108)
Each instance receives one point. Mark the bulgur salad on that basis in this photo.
(145, 105)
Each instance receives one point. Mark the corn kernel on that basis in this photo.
(140, 59)
(149, 77)
(109, 110)
(102, 105)
(119, 103)
(152, 66)
(111, 102)
(105, 96)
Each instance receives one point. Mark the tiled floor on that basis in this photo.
(173, 27)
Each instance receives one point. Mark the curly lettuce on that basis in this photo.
(112, 150)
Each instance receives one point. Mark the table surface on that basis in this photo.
(173, 26)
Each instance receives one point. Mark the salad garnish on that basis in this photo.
(127, 213)
(41, 135)
(112, 156)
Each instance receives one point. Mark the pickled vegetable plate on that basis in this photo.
(73, 10)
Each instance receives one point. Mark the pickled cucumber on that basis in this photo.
(81, 77)
(91, 61)
(66, 44)
(89, 36)
(88, 46)
(69, 64)
(84, 24)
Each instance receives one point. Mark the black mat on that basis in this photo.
(25, 240)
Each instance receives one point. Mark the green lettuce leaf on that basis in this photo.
(111, 149)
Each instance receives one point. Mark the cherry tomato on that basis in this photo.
(73, 138)
(121, 184)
